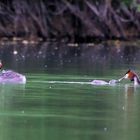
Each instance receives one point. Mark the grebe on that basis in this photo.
(129, 75)
(132, 76)
(110, 82)
(11, 77)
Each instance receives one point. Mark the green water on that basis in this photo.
(58, 103)
(48, 107)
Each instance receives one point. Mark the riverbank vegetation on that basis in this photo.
(70, 20)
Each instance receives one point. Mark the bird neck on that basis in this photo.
(136, 81)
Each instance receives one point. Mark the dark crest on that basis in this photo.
(128, 71)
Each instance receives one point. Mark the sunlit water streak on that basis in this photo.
(123, 84)
(61, 82)
(51, 116)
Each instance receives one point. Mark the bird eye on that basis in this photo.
(126, 75)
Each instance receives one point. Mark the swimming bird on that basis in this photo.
(131, 75)
(11, 77)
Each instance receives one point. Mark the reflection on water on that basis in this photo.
(77, 58)
(69, 108)
(130, 120)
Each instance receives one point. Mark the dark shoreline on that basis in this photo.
(71, 21)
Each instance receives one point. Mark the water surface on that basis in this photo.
(46, 108)
(58, 102)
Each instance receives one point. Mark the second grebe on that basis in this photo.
(132, 76)
(11, 77)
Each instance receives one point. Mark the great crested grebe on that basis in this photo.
(11, 77)
(131, 75)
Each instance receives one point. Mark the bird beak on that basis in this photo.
(124, 77)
